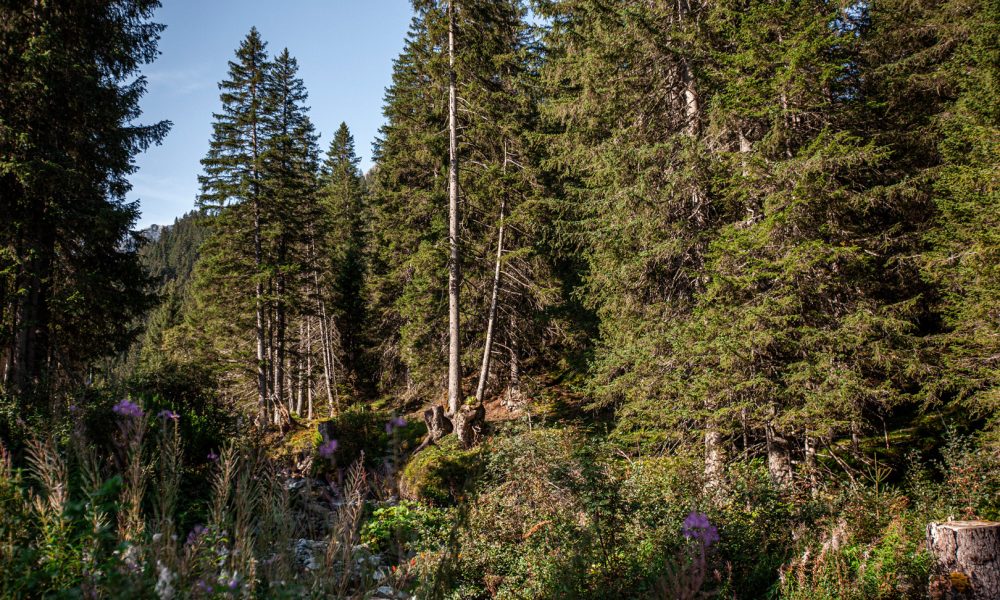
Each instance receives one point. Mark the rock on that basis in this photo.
(968, 559)
(310, 554)
(296, 483)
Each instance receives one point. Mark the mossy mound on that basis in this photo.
(438, 474)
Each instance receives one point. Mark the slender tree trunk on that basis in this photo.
(279, 343)
(514, 385)
(809, 450)
(454, 256)
(258, 261)
(484, 371)
(299, 371)
(309, 369)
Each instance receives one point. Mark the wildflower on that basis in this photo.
(197, 532)
(327, 449)
(203, 586)
(168, 415)
(395, 423)
(698, 527)
(234, 582)
(127, 408)
(164, 582)
(212, 456)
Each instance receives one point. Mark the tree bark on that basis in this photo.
(779, 459)
(454, 256)
(967, 554)
(438, 426)
(715, 459)
(467, 422)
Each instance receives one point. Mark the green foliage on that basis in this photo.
(407, 527)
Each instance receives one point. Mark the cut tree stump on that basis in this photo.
(968, 559)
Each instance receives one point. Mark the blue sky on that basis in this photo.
(345, 50)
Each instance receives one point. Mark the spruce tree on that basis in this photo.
(341, 257)
(232, 191)
(71, 287)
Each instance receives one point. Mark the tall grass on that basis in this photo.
(106, 524)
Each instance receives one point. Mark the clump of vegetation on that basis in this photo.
(441, 474)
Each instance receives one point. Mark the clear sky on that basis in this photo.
(345, 50)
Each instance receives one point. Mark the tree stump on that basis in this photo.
(968, 559)
(467, 421)
(438, 426)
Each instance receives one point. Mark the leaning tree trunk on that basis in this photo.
(968, 559)
(484, 371)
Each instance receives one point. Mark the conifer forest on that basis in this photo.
(639, 299)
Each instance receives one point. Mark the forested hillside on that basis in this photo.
(639, 300)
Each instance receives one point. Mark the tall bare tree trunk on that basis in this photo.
(454, 256)
(309, 368)
(279, 347)
(484, 370)
(258, 261)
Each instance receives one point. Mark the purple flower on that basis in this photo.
(212, 456)
(168, 415)
(698, 527)
(203, 586)
(233, 583)
(395, 423)
(197, 532)
(326, 450)
(127, 408)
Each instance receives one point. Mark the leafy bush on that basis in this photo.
(557, 516)
(406, 528)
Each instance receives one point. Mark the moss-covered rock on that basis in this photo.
(439, 473)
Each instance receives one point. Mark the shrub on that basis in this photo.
(406, 528)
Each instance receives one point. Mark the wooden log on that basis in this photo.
(968, 559)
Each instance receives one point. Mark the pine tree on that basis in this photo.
(343, 239)
(289, 166)
(232, 190)
(71, 287)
